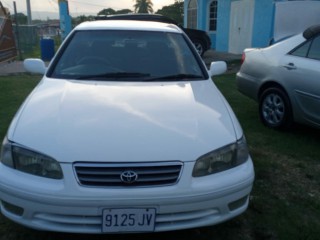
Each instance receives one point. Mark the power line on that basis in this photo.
(92, 4)
(54, 5)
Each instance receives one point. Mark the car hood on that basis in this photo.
(123, 122)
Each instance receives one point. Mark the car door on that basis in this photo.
(300, 71)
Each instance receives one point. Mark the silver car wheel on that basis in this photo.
(273, 109)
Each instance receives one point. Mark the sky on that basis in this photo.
(77, 7)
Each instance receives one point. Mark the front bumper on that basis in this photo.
(65, 206)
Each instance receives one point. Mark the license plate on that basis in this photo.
(128, 220)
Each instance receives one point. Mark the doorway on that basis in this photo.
(241, 24)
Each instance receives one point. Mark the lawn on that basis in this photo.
(285, 201)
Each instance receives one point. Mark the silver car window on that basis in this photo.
(314, 51)
(302, 51)
(309, 49)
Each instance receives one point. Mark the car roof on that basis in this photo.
(129, 25)
(138, 16)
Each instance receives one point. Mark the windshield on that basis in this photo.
(116, 55)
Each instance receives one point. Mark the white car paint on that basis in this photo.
(94, 111)
(75, 121)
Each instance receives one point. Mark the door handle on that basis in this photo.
(290, 66)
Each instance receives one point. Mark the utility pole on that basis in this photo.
(29, 12)
(17, 30)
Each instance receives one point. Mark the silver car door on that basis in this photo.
(300, 72)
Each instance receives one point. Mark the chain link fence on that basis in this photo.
(27, 38)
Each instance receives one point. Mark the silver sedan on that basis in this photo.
(285, 79)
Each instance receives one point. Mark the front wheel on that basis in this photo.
(199, 46)
(275, 109)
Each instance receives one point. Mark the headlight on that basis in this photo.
(29, 161)
(222, 159)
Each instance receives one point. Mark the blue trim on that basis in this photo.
(222, 34)
(262, 23)
(199, 15)
(272, 24)
(65, 19)
(213, 37)
(185, 10)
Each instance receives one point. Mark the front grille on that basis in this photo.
(127, 174)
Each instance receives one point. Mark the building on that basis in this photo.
(8, 49)
(237, 24)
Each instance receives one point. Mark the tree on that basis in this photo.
(123, 11)
(143, 6)
(81, 18)
(21, 18)
(107, 11)
(110, 11)
(173, 11)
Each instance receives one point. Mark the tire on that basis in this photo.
(275, 109)
(199, 46)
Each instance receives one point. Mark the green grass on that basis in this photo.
(13, 90)
(285, 201)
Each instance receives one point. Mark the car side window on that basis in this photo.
(310, 49)
(314, 51)
(301, 51)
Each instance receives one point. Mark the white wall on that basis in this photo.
(294, 17)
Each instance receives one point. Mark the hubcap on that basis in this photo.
(273, 109)
(199, 48)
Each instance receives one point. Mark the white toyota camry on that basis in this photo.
(126, 132)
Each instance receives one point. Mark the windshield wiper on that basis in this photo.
(181, 76)
(115, 75)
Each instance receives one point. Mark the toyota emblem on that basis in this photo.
(129, 177)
